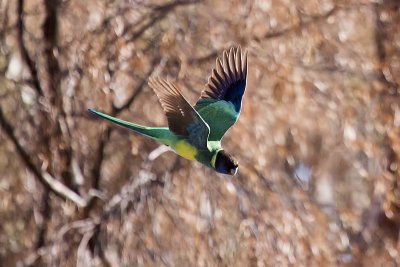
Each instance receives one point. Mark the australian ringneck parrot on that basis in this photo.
(195, 132)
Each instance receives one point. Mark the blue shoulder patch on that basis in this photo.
(197, 133)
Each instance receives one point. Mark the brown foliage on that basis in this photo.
(317, 141)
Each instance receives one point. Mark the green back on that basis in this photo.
(220, 115)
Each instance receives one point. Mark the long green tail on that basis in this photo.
(162, 134)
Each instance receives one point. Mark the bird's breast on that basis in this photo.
(186, 150)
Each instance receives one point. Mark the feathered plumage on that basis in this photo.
(196, 132)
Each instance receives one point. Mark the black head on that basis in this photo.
(225, 163)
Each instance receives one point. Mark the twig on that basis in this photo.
(159, 12)
(62, 190)
(137, 91)
(45, 178)
(95, 170)
(83, 226)
(52, 67)
(24, 51)
(82, 258)
(45, 211)
(158, 152)
(128, 193)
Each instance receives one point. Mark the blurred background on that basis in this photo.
(317, 141)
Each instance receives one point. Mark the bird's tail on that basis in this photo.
(162, 134)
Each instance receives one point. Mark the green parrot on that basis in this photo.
(195, 133)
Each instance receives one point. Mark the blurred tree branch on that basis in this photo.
(128, 196)
(312, 75)
(301, 24)
(105, 136)
(158, 12)
(24, 52)
(44, 177)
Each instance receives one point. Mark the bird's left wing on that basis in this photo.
(221, 101)
(183, 119)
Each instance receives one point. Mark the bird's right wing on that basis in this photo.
(183, 119)
(221, 101)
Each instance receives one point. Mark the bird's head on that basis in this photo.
(225, 163)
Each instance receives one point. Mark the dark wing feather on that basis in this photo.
(183, 119)
(228, 79)
(221, 101)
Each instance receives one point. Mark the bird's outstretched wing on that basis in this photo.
(221, 101)
(183, 119)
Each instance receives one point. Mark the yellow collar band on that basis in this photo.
(214, 157)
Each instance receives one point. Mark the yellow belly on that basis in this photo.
(185, 150)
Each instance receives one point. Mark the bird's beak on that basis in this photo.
(234, 171)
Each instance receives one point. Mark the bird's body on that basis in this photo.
(163, 135)
(195, 133)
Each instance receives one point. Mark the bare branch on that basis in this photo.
(45, 211)
(95, 170)
(62, 190)
(24, 52)
(158, 152)
(136, 92)
(160, 13)
(45, 178)
(82, 257)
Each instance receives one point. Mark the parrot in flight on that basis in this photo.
(195, 132)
